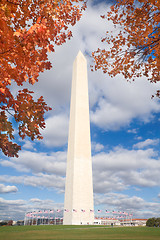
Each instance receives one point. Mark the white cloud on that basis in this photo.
(28, 145)
(108, 116)
(16, 209)
(130, 204)
(46, 181)
(7, 189)
(40, 180)
(56, 131)
(132, 131)
(120, 102)
(138, 138)
(120, 168)
(121, 201)
(115, 170)
(97, 147)
(39, 204)
(38, 162)
(146, 143)
(12, 209)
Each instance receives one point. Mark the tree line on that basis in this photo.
(153, 222)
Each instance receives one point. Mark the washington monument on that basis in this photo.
(78, 204)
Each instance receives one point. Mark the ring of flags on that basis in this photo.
(56, 216)
(42, 213)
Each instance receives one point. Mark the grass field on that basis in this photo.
(78, 232)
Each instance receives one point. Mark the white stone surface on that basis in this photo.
(79, 186)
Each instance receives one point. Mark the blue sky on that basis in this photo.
(124, 133)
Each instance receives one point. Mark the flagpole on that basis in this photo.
(25, 220)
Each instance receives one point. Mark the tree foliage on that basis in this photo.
(135, 50)
(153, 222)
(29, 29)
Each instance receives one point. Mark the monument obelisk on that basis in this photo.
(78, 204)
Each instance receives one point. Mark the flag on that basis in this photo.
(28, 215)
(125, 213)
(66, 210)
(74, 210)
(114, 212)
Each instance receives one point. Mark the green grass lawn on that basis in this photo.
(78, 232)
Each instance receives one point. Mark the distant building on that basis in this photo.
(117, 222)
(139, 222)
(20, 223)
(106, 221)
(6, 222)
